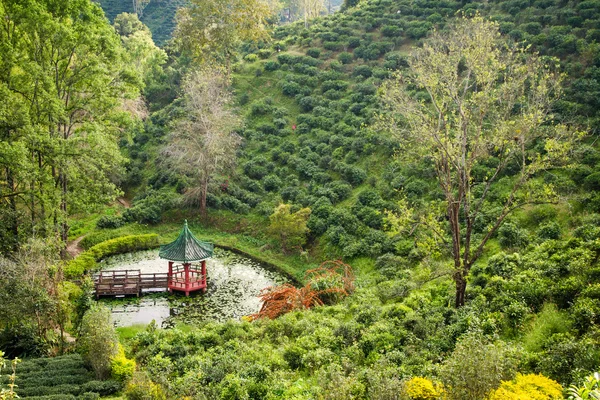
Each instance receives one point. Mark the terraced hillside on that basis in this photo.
(60, 378)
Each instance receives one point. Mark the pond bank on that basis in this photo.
(234, 284)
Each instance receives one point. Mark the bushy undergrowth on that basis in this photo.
(87, 260)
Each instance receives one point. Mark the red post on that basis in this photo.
(170, 277)
(203, 272)
(186, 267)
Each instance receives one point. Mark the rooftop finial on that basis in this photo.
(185, 222)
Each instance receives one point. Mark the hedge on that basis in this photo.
(88, 260)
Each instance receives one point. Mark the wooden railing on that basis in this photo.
(125, 282)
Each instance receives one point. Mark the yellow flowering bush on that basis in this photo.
(418, 388)
(528, 387)
(122, 368)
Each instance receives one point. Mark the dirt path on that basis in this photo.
(124, 202)
(73, 247)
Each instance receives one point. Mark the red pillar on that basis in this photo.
(203, 272)
(186, 268)
(170, 276)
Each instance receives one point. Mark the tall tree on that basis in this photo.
(211, 30)
(311, 9)
(203, 144)
(61, 68)
(487, 100)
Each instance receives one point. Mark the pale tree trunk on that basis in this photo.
(14, 220)
(203, 193)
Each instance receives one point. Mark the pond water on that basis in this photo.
(234, 283)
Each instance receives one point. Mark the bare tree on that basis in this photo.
(203, 144)
(485, 98)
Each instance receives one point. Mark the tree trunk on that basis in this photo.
(14, 220)
(203, 194)
(64, 228)
(461, 288)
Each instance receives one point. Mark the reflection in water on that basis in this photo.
(234, 283)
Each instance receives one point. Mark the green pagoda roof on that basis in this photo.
(186, 248)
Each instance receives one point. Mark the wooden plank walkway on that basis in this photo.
(128, 282)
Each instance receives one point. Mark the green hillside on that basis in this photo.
(309, 100)
(159, 15)
(387, 328)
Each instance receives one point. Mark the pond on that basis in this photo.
(234, 283)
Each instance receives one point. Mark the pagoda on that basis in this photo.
(187, 262)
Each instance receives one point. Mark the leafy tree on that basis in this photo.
(311, 9)
(213, 29)
(60, 71)
(485, 97)
(289, 227)
(142, 57)
(203, 144)
(31, 298)
(98, 343)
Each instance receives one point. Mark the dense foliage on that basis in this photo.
(315, 176)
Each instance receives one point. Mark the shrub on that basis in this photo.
(149, 209)
(103, 388)
(363, 70)
(291, 89)
(345, 58)
(89, 396)
(529, 386)
(264, 53)
(93, 238)
(87, 260)
(313, 52)
(391, 31)
(550, 230)
(353, 175)
(289, 227)
(509, 235)
(271, 183)
(423, 389)
(110, 222)
(121, 367)
(271, 65)
(250, 57)
(477, 366)
(260, 108)
(98, 340)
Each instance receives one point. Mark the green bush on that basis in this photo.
(95, 237)
(89, 396)
(345, 58)
(110, 222)
(313, 52)
(509, 235)
(477, 366)
(87, 260)
(551, 230)
(142, 388)
(103, 388)
(271, 65)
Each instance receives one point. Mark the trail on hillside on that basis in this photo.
(73, 247)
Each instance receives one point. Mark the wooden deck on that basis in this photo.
(128, 282)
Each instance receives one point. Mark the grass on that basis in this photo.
(126, 333)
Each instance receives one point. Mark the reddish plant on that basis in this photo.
(327, 284)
